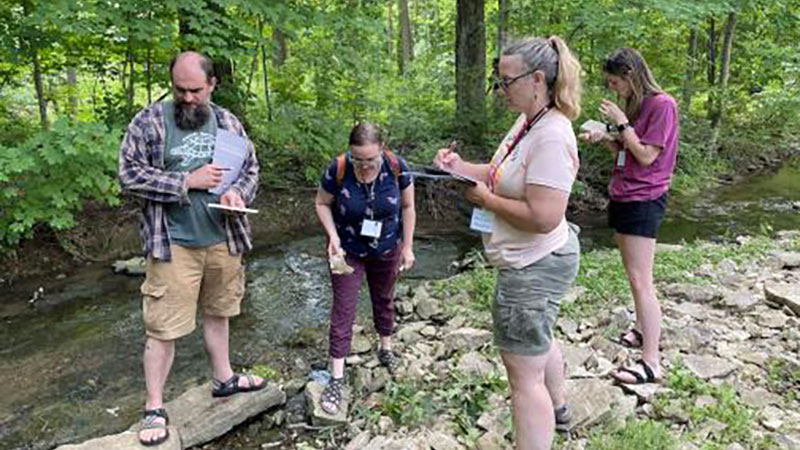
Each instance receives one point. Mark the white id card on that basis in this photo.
(621, 158)
(371, 228)
(482, 220)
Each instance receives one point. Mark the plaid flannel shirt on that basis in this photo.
(142, 174)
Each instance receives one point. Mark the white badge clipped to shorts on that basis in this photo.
(371, 228)
(621, 158)
(482, 220)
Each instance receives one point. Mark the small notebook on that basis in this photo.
(230, 151)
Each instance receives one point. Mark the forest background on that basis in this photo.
(300, 73)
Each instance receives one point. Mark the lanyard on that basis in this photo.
(370, 197)
(513, 146)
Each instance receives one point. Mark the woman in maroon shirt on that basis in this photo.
(644, 139)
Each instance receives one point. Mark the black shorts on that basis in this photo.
(637, 218)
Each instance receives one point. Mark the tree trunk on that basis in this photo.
(281, 53)
(149, 69)
(725, 70)
(691, 66)
(503, 6)
(266, 81)
(72, 91)
(389, 28)
(470, 72)
(253, 69)
(711, 67)
(406, 40)
(37, 81)
(131, 77)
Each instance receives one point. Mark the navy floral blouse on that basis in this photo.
(355, 201)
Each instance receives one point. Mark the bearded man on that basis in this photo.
(194, 253)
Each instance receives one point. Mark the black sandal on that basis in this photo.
(230, 387)
(150, 416)
(636, 342)
(648, 377)
(389, 360)
(332, 395)
(563, 416)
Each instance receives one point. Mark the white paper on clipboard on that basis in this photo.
(230, 151)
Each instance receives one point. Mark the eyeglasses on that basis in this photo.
(505, 83)
(369, 162)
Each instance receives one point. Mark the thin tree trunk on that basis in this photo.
(253, 69)
(470, 71)
(266, 81)
(149, 69)
(711, 67)
(37, 81)
(691, 66)
(281, 53)
(406, 39)
(503, 6)
(72, 93)
(131, 76)
(727, 45)
(389, 28)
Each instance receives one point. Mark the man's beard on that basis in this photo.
(191, 117)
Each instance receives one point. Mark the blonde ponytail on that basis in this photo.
(567, 89)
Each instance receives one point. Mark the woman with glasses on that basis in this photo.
(366, 205)
(644, 140)
(520, 201)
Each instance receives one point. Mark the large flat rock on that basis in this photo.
(707, 367)
(125, 441)
(202, 418)
(595, 401)
(784, 294)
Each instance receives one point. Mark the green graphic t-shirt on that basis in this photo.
(193, 225)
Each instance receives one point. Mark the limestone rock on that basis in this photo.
(134, 266)
(645, 392)
(467, 339)
(473, 363)
(592, 402)
(360, 441)
(691, 292)
(491, 441)
(707, 367)
(575, 357)
(126, 440)
(314, 401)
(772, 319)
(440, 441)
(789, 260)
(784, 294)
(759, 397)
(662, 247)
(427, 307)
(739, 300)
(496, 420)
(361, 344)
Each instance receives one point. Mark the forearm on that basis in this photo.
(476, 171)
(153, 184)
(409, 223)
(521, 215)
(325, 216)
(644, 154)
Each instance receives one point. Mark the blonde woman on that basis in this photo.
(644, 141)
(522, 197)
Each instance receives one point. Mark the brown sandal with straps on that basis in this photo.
(230, 387)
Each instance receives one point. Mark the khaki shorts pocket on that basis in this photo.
(155, 291)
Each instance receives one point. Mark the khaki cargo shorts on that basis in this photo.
(172, 289)
(526, 300)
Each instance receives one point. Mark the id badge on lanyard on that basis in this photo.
(482, 220)
(371, 228)
(621, 158)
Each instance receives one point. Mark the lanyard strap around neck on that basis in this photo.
(515, 142)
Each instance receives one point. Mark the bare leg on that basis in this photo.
(158, 357)
(637, 256)
(554, 374)
(215, 335)
(534, 421)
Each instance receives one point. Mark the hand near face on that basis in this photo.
(611, 111)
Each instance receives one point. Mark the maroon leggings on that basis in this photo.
(381, 275)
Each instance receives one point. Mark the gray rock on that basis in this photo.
(727, 266)
(674, 412)
(789, 260)
(662, 248)
(707, 367)
(378, 443)
(785, 441)
(440, 441)
(772, 319)
(404, 308)
(360, 441)
(688, 339)
(772, 418)
(202, 418)
(428, 331)
(645, 392)
(593, 401)
(491, 441)
(410, 333)
(467, 339)
(759, 397)
(691, 292)
(428, 307)
(757, 358)
(705, 400)
(126, 440)
(294, 386)
(688, 309)
(133, 266)
(473, 363)
(361, 344)
(739, 300)
(318, 415)
(573, 293)
(575, 357)
(385, 425)
(496, 420)
(784, 294)
(711, 427)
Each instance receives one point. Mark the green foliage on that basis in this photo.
(266, 372)
(642, 434)
(468, 396)
(478, 284)
(782, 376)
(49, 176)
(409, 403)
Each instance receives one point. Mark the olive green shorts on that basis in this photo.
(526, 300)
